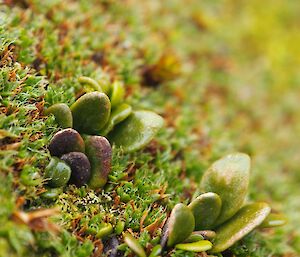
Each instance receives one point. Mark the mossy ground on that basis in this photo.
(233, 86)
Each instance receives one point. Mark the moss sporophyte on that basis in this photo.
(215, 220)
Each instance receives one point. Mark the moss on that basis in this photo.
(234, 93)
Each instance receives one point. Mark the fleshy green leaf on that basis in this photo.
(180, 225)
(90, 82)
(117, 93)
(229, 178)
(66, 141)
(136, 131)
(119, 114)
(91, 112)
(206, 209)
(243, 222)
(134, 245)
(62, 114)
(200, 246)
(58, 173)
(274, 220)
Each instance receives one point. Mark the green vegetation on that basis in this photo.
(224, 76)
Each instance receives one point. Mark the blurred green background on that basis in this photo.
(259, 41)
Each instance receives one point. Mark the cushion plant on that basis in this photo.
(222, 208)
(224, 185)
(217, 103)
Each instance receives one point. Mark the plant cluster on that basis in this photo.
(217, 94)
(86, 159)
(217, 218)
(218, 213)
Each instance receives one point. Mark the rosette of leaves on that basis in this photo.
(95, 120)
(103, 112)
(220, 210)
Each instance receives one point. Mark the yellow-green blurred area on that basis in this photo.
(260, 41)
(259, 105)
(241, 66)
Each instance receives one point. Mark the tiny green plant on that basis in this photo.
(90, 158)
(221, 207)
(219, 214)
(97, 113)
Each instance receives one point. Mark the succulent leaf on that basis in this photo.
(120, 113)
(200, 246)
(206, 209)
(66, 141)
(99, 153)
(243, 222)
(229, 178)
(58, 173)
(136, 131)
(91, 112)
(90, 82)
(62, 114)
(80, 166)
(274, 220)
(117, 93)
(194, 238)
(180, 225)
(52, 193)
(134, 245)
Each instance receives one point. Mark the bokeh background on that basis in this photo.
(242, 79)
